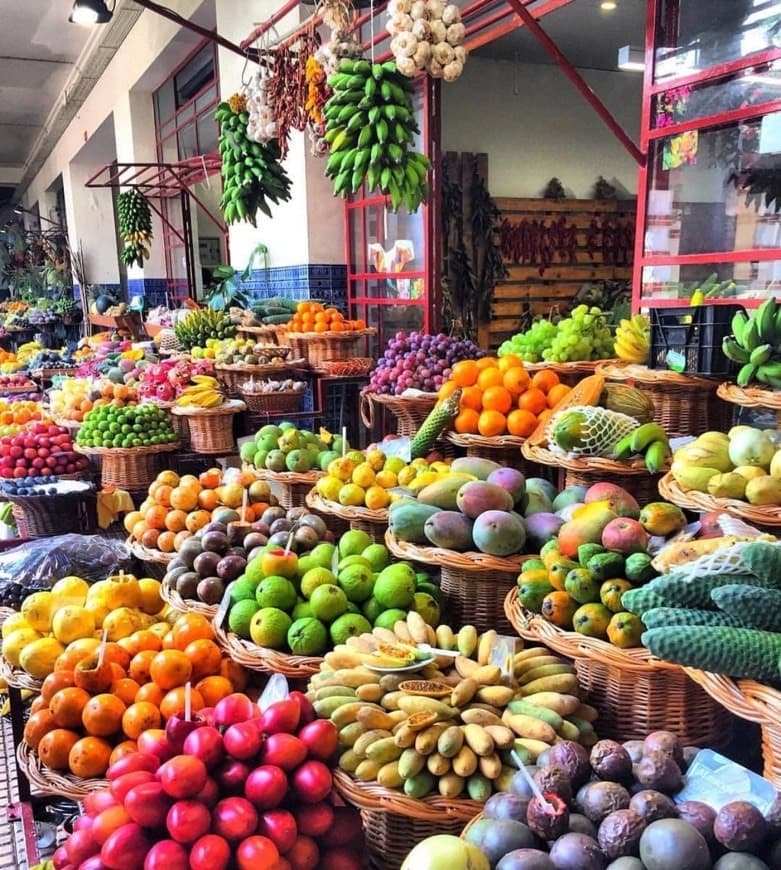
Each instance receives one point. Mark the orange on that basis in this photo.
(492, 423)
(509, 361)
(487, 362)
(102, 715)
(173, 703)
(533, 400)
(208, 499)
(211, 478)
(38, 704)
(472, 397)
(161, 494)
(180, 538)
(67, 661)
(55, 746)
(545, 380)
(168, 477)
(175, 521)
(556, 394)
(516, 380)
(214, 689)
(131, 518)
(130, 644)
(138, 530)
(140, 717)
(147, 639)
(170, 668)
(113, 652)
(190, 627)
(466, 422)
(497, 399)
(38, 726)
(54, 682)
(489, 377)
(125, 689)
(447, 389)
(150, 693)
(544, 416)
(521, 423)
(165, 542)
(197, 520)
(155, 517)
(235, 673)
(126, 747)
(67, 706)
(89, 757)
(465, 373)
(205, 658)
(117, 671)
(185, 499)
(150, 538)
(139, 666)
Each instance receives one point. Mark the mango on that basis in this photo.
(407, 521)
(477, 496)
(662, 518)
(511, 480)
(498, 533)
(442, 493)
(38, 658)
(585, 527)
(449, 529)
(480, 468)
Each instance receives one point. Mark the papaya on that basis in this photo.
(407, 521)
(606, 566)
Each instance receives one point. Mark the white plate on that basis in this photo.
(407, 669)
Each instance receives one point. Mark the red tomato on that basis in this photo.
(183, 776)
(187, 820)
(255, 852)
(210, 852)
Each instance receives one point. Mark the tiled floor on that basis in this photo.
(12, 851)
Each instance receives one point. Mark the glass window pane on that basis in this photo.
(187, 142)
(206, 98)
(164, 102)
(208, 134)
(394, 241)
(195, 75)
(395, 288)
(698, 34)
(716, 191)
(755, 280)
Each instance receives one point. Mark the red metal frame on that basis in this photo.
(649, 134)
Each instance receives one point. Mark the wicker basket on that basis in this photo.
(469, 826)
(750, 397)
(44, 516)
(263, 659)
(211, 429)
(72, 426)
(317, 347)
(169, 594)
(132, 468)
(634, 692)
(475, 584)
(409, 412)
(267, 333)
(374, 523)
(52, 781)
(569, 373)
(756, 703)
(29, 387)
(504, 449)
(281, 402)
(148, 554)
(703, 502)
(683, 404)
(234, 376)
(14, 676)
(290, 487)
(345, 368)
(393, 823)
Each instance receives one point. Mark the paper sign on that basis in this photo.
(716, 781)
(397, 447)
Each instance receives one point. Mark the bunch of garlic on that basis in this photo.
(427, 34)
(262, 124)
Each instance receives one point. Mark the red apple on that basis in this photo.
(80, 846)
(307, 710)
(210, 852)
(167, 855)
(320, 738)
(122, 784)
(283, 750)
(280, 827)
(303, 854)
(182, 776)
(154, 742)
(231, 776)
(209, 794)
(177, 728)
(234, 818)
(243, 739)
(97, 801)
(314, 819)
(131, 762)
(233, 708)
(60, 859)
(266, 787)
(187, 820)
(205, 743)
(345, 828)
(84, 823)
(625, 535)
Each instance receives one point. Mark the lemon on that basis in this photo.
(14, 623)
(376, 498)
(394, 464)
(85, 644)
(16, 641)
(37, 610)
(71, 590)
(386, 479)
(376, 458)
(151, 602)
(328, 487)
(38, 657)
(363, 475)
(351, 495)
(341, 468)
(420, 463)
(72, 622)
(161, 629)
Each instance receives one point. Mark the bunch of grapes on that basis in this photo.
(419, 361)
(530, 345)
(584, 335)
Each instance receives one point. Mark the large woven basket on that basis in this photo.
(53, 781)
(278, 402)
(409, 412)
(504, 449)
(393, 823)
(683, 404)
(154, 562)
(750, 397)
(634, 692)
(704, 502)
(290, 487)
(234, 376)
(756, 703)
(475, 584)
(569, 373)
(45, 516)
(14, 676)
(373, 522)
(132, 468)
(211, 429)
(316, 347)
(185, 605)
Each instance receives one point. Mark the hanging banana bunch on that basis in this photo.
(370, 127)
(135, 227)
(251, 171)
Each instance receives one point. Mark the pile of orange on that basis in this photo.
(314, 317)
(18, 413)
(84, 720)
(177, 507)
(499, 397)
(75, 402)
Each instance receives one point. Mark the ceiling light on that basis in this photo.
(631, 58)
(90, 12)
(607, 5)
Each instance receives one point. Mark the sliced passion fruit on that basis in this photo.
(396, 653)
(429, 688)
(421, 721)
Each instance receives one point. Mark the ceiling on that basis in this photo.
(588, 37)
(38, 48)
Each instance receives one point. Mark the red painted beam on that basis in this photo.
(265, 26)
(575, 77)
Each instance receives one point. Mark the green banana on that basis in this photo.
(623, 449)
(647, 434)
(734, 351)
(760, 354)
(765, 317)
(739, 323)
(751, 335)
(656, 455)
(746, 374)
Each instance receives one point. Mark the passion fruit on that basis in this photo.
(556, 780)
(577, 852)
(653, 805)
(610, 760)
(671, 843)
(599, 799)
(620, 832)
(550, 822)
(740, 827)
(659, 771)
(573, 759)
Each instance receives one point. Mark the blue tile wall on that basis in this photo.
(328, 283)
(115, 289)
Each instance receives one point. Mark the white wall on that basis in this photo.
(534, 125)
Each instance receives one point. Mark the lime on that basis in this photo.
(357, 581)
(316, 577)
(269, 627)
(240, 617)
(328, 602)
(428, 607)
(351, 495)
(395, 587)
(372, 609)
(377, 555)
(352, 607)
(276, 592)
(353, 543)
(307, 637)
(389, 618)
(349, 625)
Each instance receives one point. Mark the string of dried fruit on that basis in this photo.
(370, 128)
(251, 172)
(287, 88)
(135, 227)
(318, 93)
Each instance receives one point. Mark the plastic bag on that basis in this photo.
(276, 689)
(39, 564)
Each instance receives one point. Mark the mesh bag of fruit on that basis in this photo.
(588, 431)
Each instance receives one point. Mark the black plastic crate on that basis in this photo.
(692, 337)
